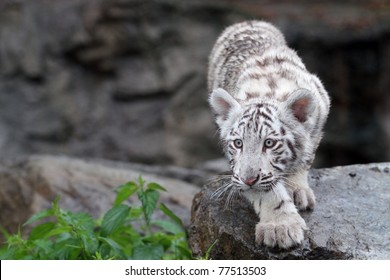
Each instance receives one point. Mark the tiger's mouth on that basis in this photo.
(262, 186)
(266, 187)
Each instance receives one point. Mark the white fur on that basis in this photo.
(226, 109)
(261, 92)
(283, 227)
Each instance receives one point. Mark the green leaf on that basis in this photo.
(114, 218)
(66, 250)
(183, 252)
(89, 244)
(40, 231)
(169, 226)
(170, 214)
(135, 213)
(54, 206)
(148, 252)
(141, 182)
(98, 256)
(159, 238)
(149, 200)
(57, 231)
(156, 187)
(44, 246)
(80, 222)
(16, 239)
(7, 253)
(111, 243)
(39, 216)
(208, 251)
(114, 246)
(124, 192)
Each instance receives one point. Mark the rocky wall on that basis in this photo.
(125, 79)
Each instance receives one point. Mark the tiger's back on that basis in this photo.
(234, 46)
(252, 62)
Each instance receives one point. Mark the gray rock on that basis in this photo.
(219, 165)
(137, 78)
(188, 122)
(29, 185)
(350, 221)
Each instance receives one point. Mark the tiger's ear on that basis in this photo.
(223, 105)
(301, 103)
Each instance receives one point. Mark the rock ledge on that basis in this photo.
(350, 221)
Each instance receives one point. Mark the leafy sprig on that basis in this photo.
(126, 231)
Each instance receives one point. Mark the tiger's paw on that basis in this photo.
(304, 198)
(284, 234)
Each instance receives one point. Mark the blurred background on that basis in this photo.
(126, 79)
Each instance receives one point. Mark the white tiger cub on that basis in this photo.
(270, 111)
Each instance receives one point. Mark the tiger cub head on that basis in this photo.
(265, 141)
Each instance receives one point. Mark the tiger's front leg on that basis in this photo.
(280, 223)
(300, 191)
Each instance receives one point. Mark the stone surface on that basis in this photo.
(30, 185)
(350, 221)
(126, 79)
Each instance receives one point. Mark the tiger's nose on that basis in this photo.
(251, 181)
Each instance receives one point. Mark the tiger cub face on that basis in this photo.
(265, 141)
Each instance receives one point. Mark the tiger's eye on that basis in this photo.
(269, 143)
(238, 143)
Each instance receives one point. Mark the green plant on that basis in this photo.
(124, 232)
